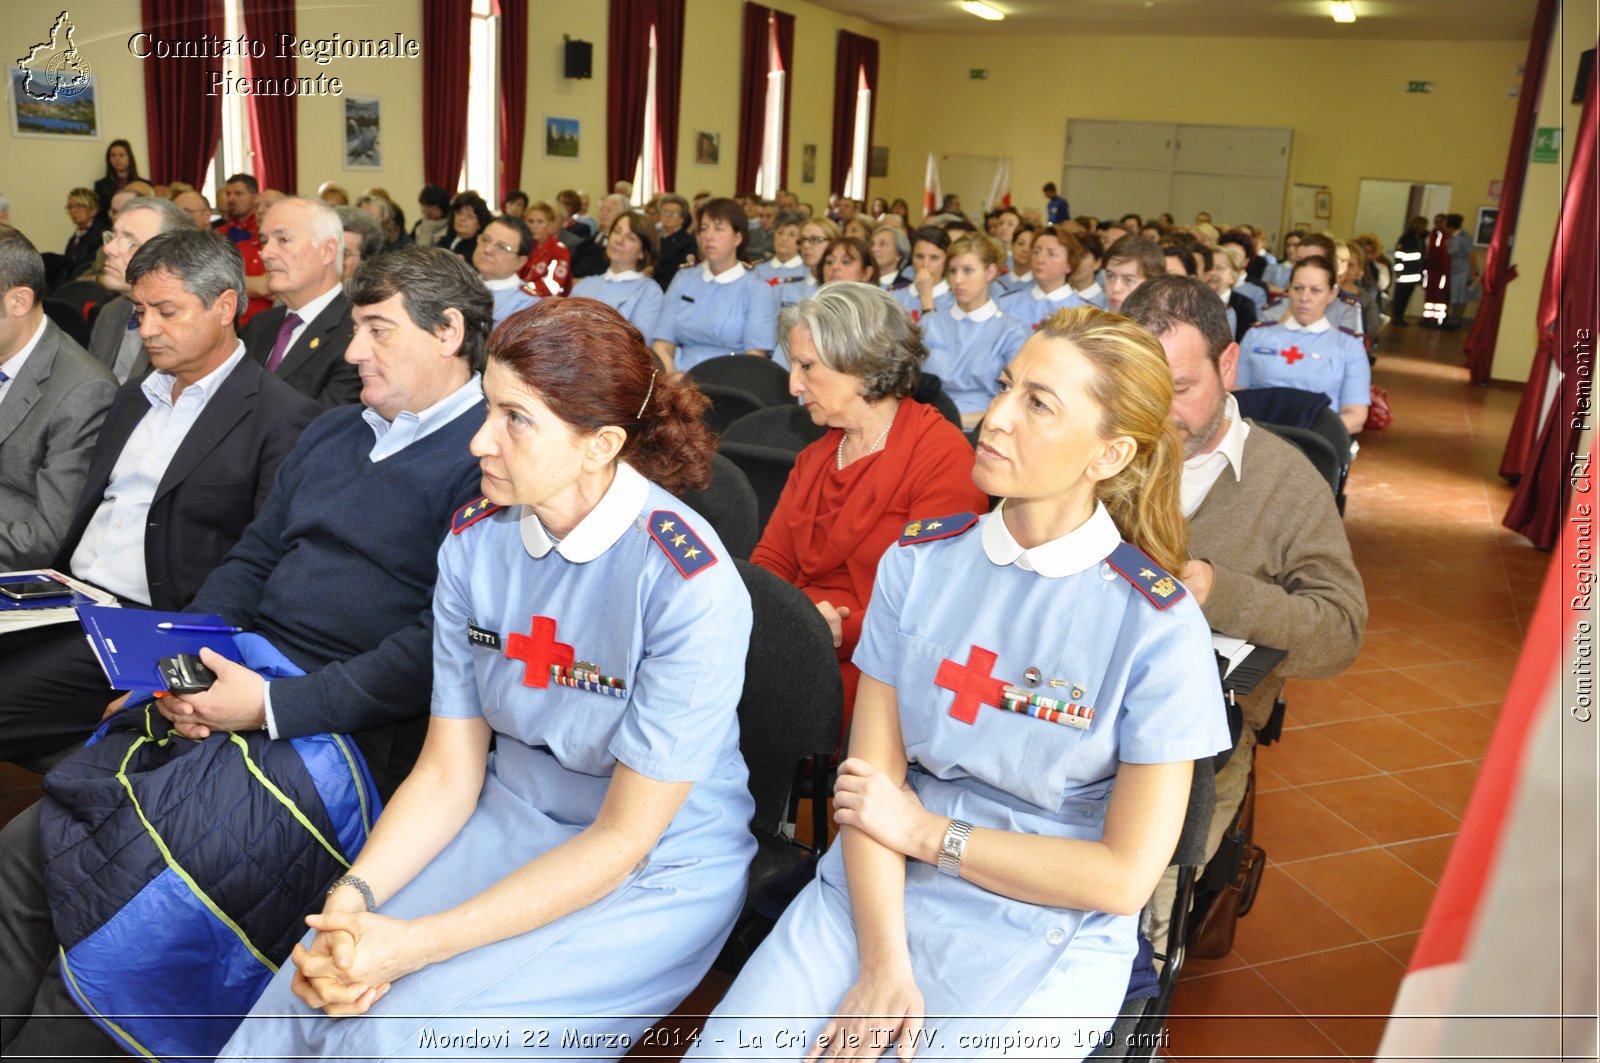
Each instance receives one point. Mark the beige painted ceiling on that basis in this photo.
(1376, 19)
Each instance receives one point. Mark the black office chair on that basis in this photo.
(727, 405)
(787, 427)
(68, 318)
(1316, 449)
(789, 718)
(1136, 1033)
(947, 406)
(762, 377)
(729, 505)
(767, 469)
(1302, 409)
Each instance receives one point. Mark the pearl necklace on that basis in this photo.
(838, 458)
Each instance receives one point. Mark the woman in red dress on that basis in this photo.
(854, 361)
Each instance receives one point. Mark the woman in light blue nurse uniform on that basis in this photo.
(626, 286)
(1034, 691)
(556, 895)
(718, 307)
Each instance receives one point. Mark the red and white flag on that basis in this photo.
(932, 194)
(1506, 964)
(1000, 187)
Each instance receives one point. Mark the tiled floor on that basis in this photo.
(1361, 799)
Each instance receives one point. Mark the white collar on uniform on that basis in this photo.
(886, 279)
(1080, 549)
(942, 288)
(1022, 280)
(1059, 295)
(504, 284)
(727, 276)
(596, 533)
(1321, 324)
(983, 313)
(1088, 294)
(625, 275)
(788, 263)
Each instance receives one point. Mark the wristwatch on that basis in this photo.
(954, 847)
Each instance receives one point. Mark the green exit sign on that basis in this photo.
(1547, 144)
(1419, 86)
(978, 73)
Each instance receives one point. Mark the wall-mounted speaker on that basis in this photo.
(579, 59)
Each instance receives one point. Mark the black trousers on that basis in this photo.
(38, 1020)
(52, 691)
(1402, 298)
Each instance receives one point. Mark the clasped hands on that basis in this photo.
(236, 701)
(354, 958)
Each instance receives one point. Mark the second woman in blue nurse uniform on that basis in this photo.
(1034, 693)
(970, 343)
(1305, 351)
(626, 286)
(571, 849)
(1055, 252)
(718, 307)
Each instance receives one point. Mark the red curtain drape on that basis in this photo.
(855, 54)
(761, 25)
(1545, 435)
(753, 95)
(1498, 269)
(446, 58)
(182, 123)
(513, 93)
(273, 119)
(627, 72)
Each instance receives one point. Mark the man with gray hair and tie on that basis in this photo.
(115, 341)
(302, 340)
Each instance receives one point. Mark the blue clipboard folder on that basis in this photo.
(128, 643)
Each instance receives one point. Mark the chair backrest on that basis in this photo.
(947, 406)
(1191, 851)
(762, 377)
(1291, 406)
(1316, 449)
(1330, 426)
(729, 505)
(787, 427)
(728, 404)
(68, 319)
(767, 469)
(793, 700)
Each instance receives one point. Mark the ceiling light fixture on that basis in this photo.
(1343, 10)
(982, 10)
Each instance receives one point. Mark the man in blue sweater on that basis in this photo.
(337, 571)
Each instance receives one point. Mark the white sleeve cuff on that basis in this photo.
(266, 700)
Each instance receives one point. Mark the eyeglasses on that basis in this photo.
(108, 238)
(809, 240)
(498, 246)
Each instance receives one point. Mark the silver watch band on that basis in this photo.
(954, 848)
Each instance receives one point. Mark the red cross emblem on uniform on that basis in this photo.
(1293, 354)
(539, 650)
(971, 682)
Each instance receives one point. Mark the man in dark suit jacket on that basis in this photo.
(52, 399)
(185, 459)
(114, 341)
(302, 341)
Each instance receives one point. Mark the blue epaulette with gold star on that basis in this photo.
(1137, 568)
(1346, 297)
(470, 514)
(686, 550)
(926, 531)
(1352, 333)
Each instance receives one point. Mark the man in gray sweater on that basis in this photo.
(1270, 563)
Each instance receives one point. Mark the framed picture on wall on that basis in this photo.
(878, 161)
(51, 104)
(808, 164)
(363, 147)
(561, 138)
(707, 148)
(1324, 209)
(1487, 216)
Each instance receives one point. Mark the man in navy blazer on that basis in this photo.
(185, 459)
(302, 341)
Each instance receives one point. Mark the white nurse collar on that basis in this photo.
(613, 515)
(727, 276)
(1077, 551)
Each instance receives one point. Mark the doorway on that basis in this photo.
(1384, 206)
(971, 177)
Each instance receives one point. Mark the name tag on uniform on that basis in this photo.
(1263, 350)
(482, 637)
(686, 298)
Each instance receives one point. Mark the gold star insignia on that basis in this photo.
(691, 553)
(679, 540)
(1145, 573)
(473, 508)
(316, 343)
(667, 526)
(934, 525)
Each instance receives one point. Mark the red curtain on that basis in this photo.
(761, 25)
(273, 119)
(1498, 269)
(446, 59)
(182, 123)
(1545, 436)
(856, 54)
(627, 71)
(513, 93)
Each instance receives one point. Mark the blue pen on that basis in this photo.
(217, 629)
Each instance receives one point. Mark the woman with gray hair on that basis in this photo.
(891, 257)
(854, 361)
